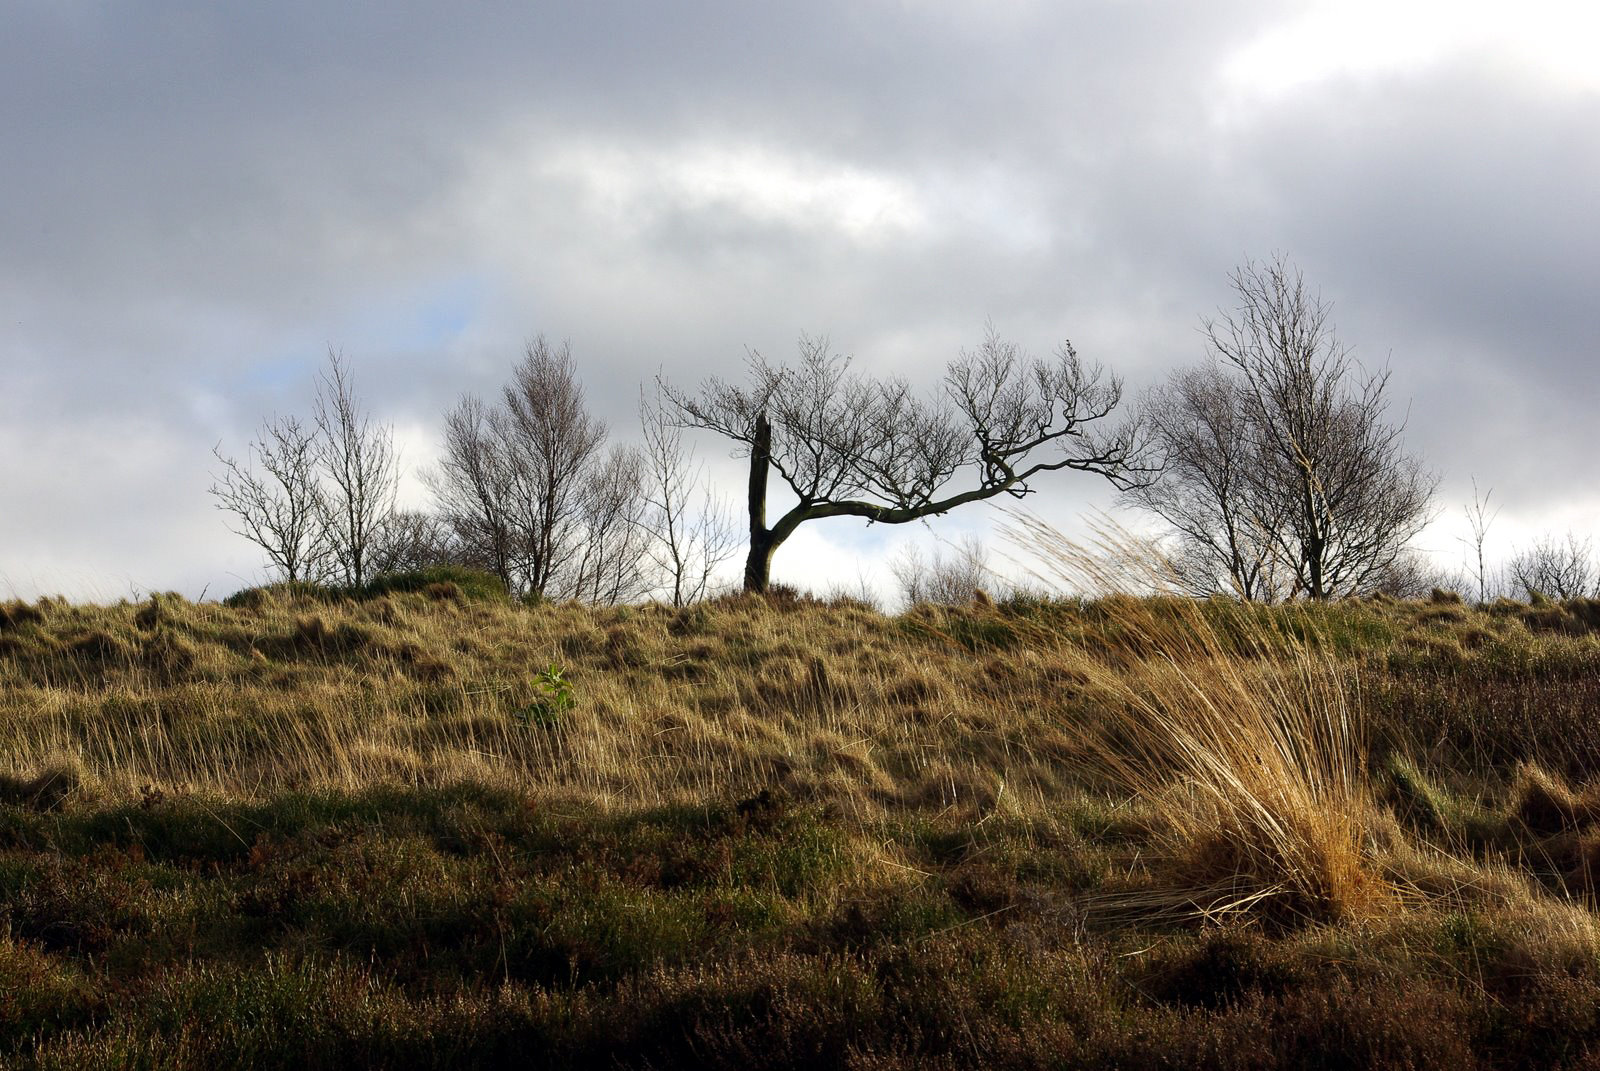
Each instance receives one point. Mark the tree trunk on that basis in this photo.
(758, 565)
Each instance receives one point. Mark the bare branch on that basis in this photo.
(358, 460)
(280, 508)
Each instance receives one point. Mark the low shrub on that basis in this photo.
(440, 582)
(290, 591)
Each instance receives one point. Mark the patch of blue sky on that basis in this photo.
(420, 318)
(423, 318)
(285, 371)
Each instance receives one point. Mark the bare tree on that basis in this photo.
(551, 442)
(1413, 575)
(1479, 518)
(412, 539)
(531, 494)
(1334, 488)
(952, 580)
(473, 485)
(849, 446)
(609, 565)
(359, 463)
(1198, 422)
(280, 508)
(690, 531)
(1557, 570)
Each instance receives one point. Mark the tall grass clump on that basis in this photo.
(1237, 732)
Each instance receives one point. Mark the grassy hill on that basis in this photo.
(435, 828)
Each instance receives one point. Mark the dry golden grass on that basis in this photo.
(1245, 738)
(1233, 738)
(835, 704)
(1108, 832)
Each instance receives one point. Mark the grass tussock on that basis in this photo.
(1257, 770)
(1255, 766)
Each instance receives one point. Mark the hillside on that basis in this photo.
(433, 828)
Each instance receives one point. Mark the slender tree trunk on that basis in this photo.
(758, 565)
(1316, 553)
(1313, 544)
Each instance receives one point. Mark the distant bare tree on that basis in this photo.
(361, 469)
(325, 493)
(609, 564)
(859, 591)
(1199, 423)
(1479, 518)
(1334, 487)
(531, 493)
(690, 531)
(952, 580)
(849, 446)
(551, 443)
(1413, 575)
(1557, 570)
(281, 507)
(412, 539)
(474, 486)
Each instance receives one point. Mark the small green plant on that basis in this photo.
(555, 698)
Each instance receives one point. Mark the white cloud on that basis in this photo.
(1553, 41)
(632, 187)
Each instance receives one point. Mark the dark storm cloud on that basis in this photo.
(197, 200)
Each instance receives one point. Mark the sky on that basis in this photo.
(198, 201)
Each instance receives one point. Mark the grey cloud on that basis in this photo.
(199, 199)
(1450, 220)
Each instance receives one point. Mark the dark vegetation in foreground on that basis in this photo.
(313, 831)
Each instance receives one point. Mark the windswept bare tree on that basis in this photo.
(850, 446)
(690, 531)
(1332, 483)
(280, 507)
(359, 462)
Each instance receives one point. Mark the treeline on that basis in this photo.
(1273, 465)
(529, 488)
